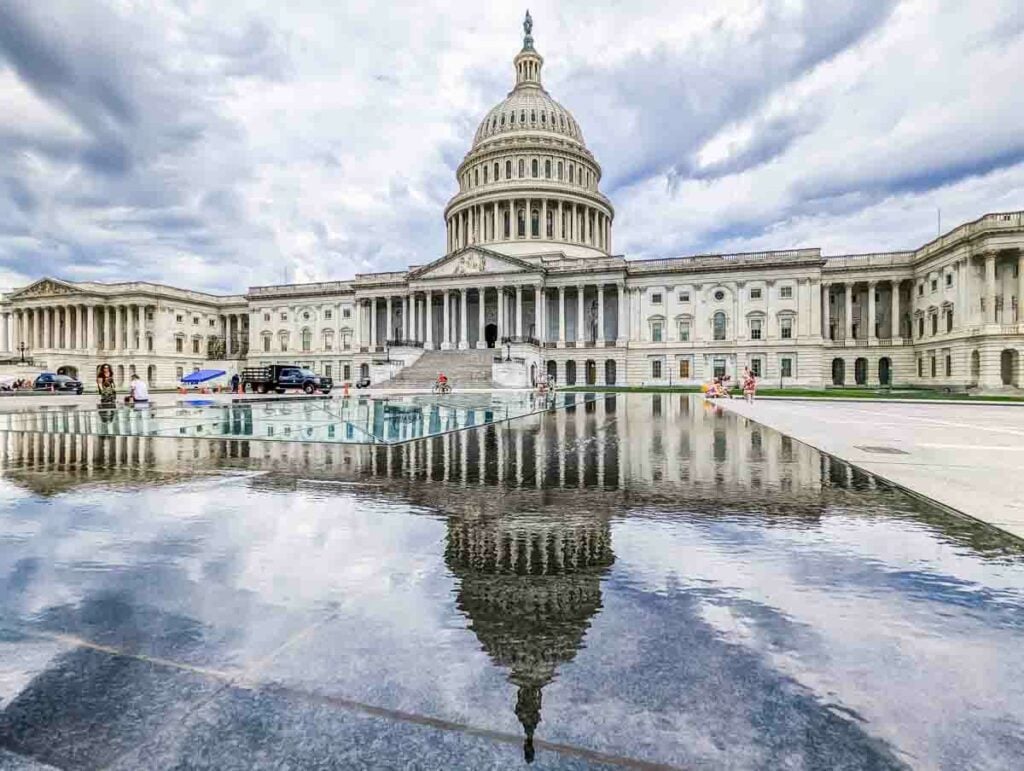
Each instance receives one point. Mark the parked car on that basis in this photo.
(363, 382)
(282, 377)
(50, 381)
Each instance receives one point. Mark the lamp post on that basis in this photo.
(508, 351)
(22, 348)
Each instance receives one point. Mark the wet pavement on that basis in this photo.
(639, 581)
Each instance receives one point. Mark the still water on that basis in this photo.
(635, 581)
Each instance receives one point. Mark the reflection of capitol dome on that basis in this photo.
(528, 184)
(529, 590)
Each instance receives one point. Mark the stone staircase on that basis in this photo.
(465, 369)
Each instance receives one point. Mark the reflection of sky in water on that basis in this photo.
(675, 586)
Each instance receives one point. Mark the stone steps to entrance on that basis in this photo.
(464, 369)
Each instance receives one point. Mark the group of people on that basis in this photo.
(719, 388)
(21, 384)
(138, 393)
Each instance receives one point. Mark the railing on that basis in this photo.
(399, 343)
(514, 359)
(517, 339)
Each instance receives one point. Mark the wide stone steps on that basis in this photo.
(465, 369)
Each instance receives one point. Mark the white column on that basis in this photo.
(990, 288)
(538, 314)
(407, 319)
(428, 308)
(519, 311)
(446, 340)
(500, 312)
(373, 323)
(5, 331)
(1020, 288)
(561, 317)
(894, 312)
(130, 310)
(388, 321)
(848, 311)
(600, 314)
(579, 316)
(871, 311)
(464, 319)
(620, 322)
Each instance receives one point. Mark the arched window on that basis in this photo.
(485, 174)
(508, 169)
(533, 116)
(544, 118)
(283, 338)
(547, 169)
(266, 343)
(571, 172)
(535, 223)
(307, 339)
(512, 118)
(560, 170)
(476, 176)
(549, 228)
(718, 325)
(533, 167)
(522, 116)
(522, 168)
(521, 226)
(508, 224)
(497, 168)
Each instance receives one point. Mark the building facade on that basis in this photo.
(529, 263)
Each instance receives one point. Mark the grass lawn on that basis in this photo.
(811, 393)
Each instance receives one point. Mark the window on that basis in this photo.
(346, 371)
(195, 345)
(522, 224)
(935, 284)
(656, 331)
(786, 327)
(684, 331)
(179, 318)
(920, 290)
(213, 322)
(535, 223)
(508, 169)
(949, 320)
(656, 298)
(755, 329)
(684, 369)
(718, 368)
(266, 344)
(787, 366)
(719, 295)
(656, 369)
(522, 168)
(284, 342)
(718, 325)
(486, 170)
(932, 364)
(533, 168)
(755, 294)
(920, 327)
(327, 367)
(328, 314)
(305, 316)
(346, 313)
(684, 297)
(307, 340)
(179, 345)
(179, 372)
(935, 323)
(507, 224)
(949, 365)
(560, 170)
(755, 367)
(949, 279)
(266, 317)
(550, 225)
(920, 367)
(547, 169)
(328, 340)
(284, 317)
(497, 171)
(195, 321)
(786, 292)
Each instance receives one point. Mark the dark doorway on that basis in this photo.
(491, 335)
(885, 371)
(1007, 366)
(860, 371)
(570, 373)
(68, 370)
(552, 371)
(591, 372)
(533, 375)
(838, 372)
(609, 372)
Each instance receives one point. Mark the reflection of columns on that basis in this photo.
(561, 317)
(990, 288)
(848, 311)
(894, 313)
(428, 308)
(600, 314)
(464, 319)
(519, 311)
(579, 315)
(871, 310)
(481, 314)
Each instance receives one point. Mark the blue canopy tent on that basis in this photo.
(201, 376)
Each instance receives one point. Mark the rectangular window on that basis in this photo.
(684, 297)
(786, 293)
(920, 367)
(179, 345)
(284, 317)
(213, 322)
(346, 372)
(266, 344)
(755, 294)
(949, 279)
(179, 318)
(327, 367)
(347, 313)
(684, 369)
(684, 331)
(920, 290)
(787, 367)
(328, 314)
(935, 324)
(656, 331)
(786, 327)
(718, 367)
(935, 284)
(195, 345)
(656, 369)
(755, 367)
(949, 365)
(755, 329)
(920, 327)
(195, 321)
(179, 372)
(949, 321)
(266, 317)
(933, 366)
(656, 299)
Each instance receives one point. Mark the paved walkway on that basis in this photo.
(967, 457)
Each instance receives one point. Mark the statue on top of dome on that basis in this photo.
(528, 30)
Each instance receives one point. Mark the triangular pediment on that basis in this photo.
(45, 287)
(473, 261)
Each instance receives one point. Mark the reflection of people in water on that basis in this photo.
(529, 589)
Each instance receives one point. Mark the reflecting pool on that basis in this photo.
(630, 581)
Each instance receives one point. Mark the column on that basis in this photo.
(446, 340)
(538, 314)
(580, 331)
(464, 320)
(620, 322)
(1020, 287)
(544, 218)
(990, 288)
(560, 225)
(495, 236)
(388, 321)
(373, 323)
(894, 325)
(5, 331)
(500, 310)
(871, 311)
(51, 328)
(481, 317)
(407, 319)
(600, 314)
(561, 317)
(823, 311)
(848, 311)
(428, 308)
(130, 311)
(519, 311)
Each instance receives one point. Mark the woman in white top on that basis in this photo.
(140, 391)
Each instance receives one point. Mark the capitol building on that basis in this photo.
(529, 269)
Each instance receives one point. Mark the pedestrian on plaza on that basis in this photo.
(235, 380)
(749, 386)
(139, 391)
(105, 385)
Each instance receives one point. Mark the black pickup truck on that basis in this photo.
(282, 377)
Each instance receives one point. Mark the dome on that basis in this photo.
(528, 109)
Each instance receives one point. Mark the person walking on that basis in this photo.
(105, 385)
(235, 380)
(749, 386)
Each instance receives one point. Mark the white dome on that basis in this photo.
(528, 108)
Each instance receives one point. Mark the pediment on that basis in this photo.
(473, 261)
(45, 287)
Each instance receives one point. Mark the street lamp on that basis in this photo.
(22, 348)
(508, 350)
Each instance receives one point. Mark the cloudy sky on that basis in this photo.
(219, 144)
